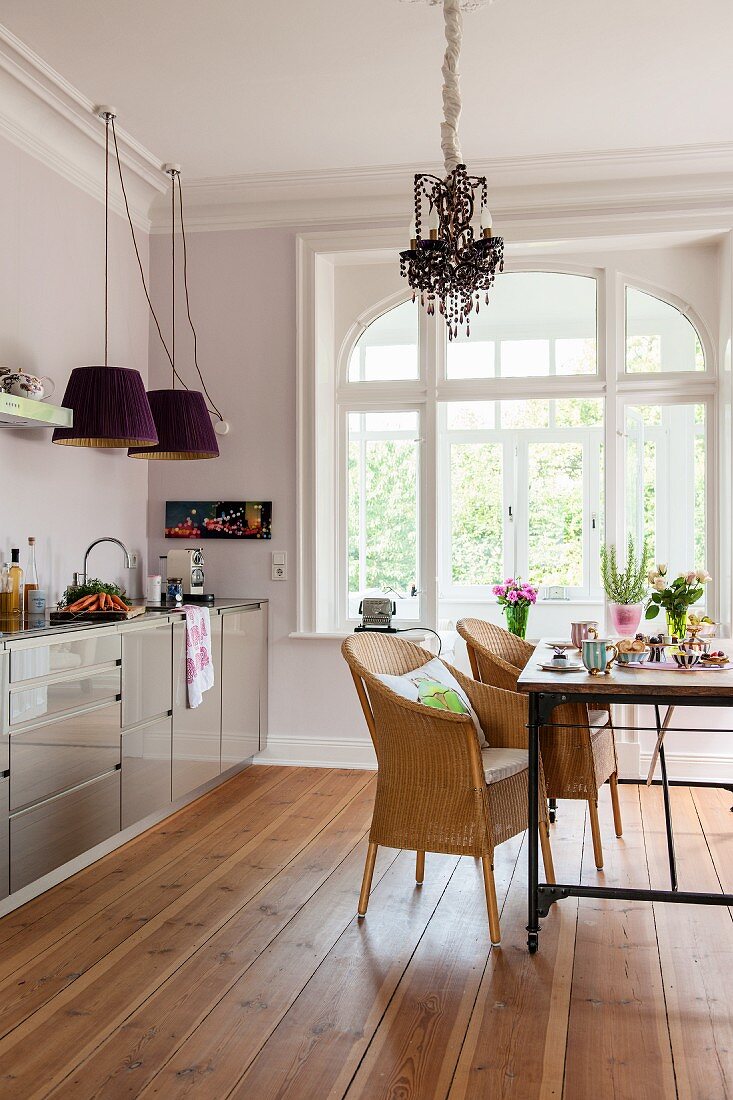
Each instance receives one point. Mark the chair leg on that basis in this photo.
(613, 781)
(420, 868)
(547, 852)
(366, 882)
(491, 905)
(595, 829)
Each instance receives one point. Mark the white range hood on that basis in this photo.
(19, 412)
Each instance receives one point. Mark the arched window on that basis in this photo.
(387, 349)
(659, 338)
(666, 447)
(513, 451)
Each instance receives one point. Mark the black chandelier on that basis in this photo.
(456, 262)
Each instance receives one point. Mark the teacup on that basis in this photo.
(19, 383)
(579, 631)
(595, 654)
(633, 657)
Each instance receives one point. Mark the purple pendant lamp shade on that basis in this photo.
(109, 404)
(184, 427)
(111, 409)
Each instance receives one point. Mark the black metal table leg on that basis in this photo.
(667, 808)
(533, 923)
(552, 810)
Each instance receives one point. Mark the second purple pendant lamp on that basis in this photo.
(181, 416)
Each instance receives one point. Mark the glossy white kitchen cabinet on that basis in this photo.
(4, 837)
(146, 673)
(197, 730)
(243, 683)
(60, 828)
(146, 769)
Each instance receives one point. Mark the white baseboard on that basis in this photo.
(688, 765)
(319, 752)
(627, 756)
(357, 752)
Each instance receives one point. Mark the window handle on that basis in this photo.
(511, 513)
(593, 520)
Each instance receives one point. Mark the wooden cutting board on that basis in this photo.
(59, 617)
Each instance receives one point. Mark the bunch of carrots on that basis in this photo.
(100, 601)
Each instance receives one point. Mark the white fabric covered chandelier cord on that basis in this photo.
(451, 85)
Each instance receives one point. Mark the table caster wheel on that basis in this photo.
(553, 816)
(533, 942)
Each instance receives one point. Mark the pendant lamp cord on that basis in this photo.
(212, 407)
(173, 275)
(139, 259)
(106, 235)
(188, 305)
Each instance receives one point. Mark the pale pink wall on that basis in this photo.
(243, 302)
(51, 301)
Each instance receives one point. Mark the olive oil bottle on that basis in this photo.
(31, 574)
(16, 584)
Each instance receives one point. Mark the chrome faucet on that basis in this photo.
(81, 578)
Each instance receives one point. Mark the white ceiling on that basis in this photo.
(234, 87)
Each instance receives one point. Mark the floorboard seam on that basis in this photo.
(575, 944)
(483, 972)
(659, 953)
(315, 972)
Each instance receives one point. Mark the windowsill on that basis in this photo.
(339, 635)
(488, 602)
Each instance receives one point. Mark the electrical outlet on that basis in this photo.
(279, 566)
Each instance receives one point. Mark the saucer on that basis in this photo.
(550, 667)
(559, 643)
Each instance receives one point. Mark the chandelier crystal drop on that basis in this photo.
(455, 262)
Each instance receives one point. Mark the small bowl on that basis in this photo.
(685, 660)
(633, 657)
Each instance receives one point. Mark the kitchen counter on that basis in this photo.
(39, 626)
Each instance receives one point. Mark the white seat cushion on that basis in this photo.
(501, 763)
(598, 719)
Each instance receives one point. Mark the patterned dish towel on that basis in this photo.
(199, 665)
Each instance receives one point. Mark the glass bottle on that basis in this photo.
(5, 596)
(31, 573)
(16, 583)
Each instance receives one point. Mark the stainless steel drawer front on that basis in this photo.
(146, 770)
(62, 754)
(34, 704)
(48, 835)
(147, 670)
(66, 655)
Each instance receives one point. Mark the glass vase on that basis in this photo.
(516, 618)
(625, 618)
(677, 623)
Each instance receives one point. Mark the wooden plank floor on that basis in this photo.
(218, 955)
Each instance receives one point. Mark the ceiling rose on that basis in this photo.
(456, 261)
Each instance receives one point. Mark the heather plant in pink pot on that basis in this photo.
(516, 597)
(625, 587)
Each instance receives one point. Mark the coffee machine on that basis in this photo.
(188, 564)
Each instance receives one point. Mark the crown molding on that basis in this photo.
(570, 186)
(47, 117)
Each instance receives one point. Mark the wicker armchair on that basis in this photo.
(577, 761)
(437, 790)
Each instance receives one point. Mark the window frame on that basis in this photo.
(432, 386)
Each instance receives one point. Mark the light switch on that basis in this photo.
(279, 566)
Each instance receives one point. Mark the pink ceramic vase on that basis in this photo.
(625, 618)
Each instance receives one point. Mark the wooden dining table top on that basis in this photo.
(622, 680)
